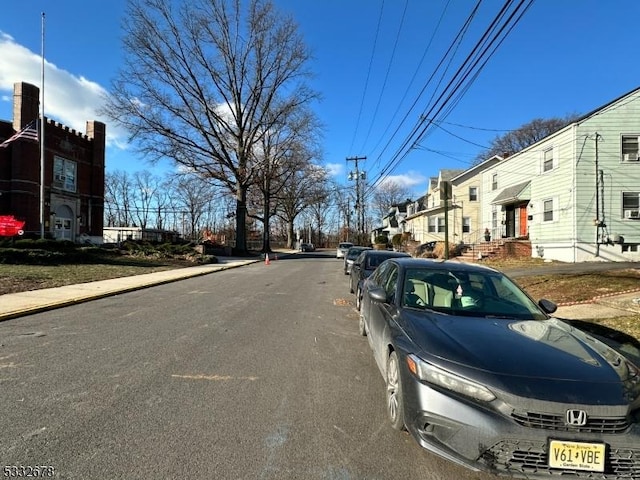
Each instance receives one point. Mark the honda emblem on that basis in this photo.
(576, 418)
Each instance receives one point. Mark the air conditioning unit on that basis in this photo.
(631, 157)
(632, 214)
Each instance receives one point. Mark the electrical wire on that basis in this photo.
(366, 84)
(413, 77)
(386, 77)
(460, 82)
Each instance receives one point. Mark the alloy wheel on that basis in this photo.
(395, 408)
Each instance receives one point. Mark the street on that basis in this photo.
(251, 373)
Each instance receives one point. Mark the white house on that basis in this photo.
(575, 194)
(466, 200)
(426, 217)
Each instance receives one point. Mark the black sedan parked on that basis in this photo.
(351, 256)
(480, 374)
(364, 265)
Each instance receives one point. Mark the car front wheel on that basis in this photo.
(358, 299)
(395, 406)
(362, 330)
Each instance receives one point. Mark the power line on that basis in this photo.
(366, 84)
(386, 77)
(462, 75)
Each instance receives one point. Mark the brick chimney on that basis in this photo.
(26, 102)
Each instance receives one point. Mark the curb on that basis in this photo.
(598, 297)
(180, 274)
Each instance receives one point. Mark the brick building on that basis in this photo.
(74, 170)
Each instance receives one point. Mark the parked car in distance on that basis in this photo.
(364, 265)
(307, 247)
(425, 248)
(341, 251)
(351, 255)
(481, 374)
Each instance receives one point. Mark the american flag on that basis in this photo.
(30, 132)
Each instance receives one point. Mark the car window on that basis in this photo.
(373, 261)
(391, 281)
(380, 275)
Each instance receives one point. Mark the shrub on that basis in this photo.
(381, 239)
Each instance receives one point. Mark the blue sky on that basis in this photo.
(563, 57)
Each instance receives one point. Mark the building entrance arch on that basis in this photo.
(63, 225)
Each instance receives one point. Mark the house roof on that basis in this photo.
(515, 193)
(606, 105)
(448, 173)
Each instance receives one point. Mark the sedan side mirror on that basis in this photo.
(378, 294)
(547, 305)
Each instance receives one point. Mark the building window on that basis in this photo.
(64, 174)
(631, 205)
(440, 224)
(466, 224)
(431, 226)
(494, 181)
(494, 218)
(547, 160)
(473, 194)
(547, 211)
(630, 148)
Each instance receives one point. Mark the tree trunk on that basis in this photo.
(266, 234)
(241, 221)
(290, 235)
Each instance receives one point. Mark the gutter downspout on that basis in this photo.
(574, 175)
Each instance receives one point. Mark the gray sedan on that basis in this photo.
(484, 376)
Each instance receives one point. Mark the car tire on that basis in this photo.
(395, 405)
(350, 285)
(358, 299)
(362, 329)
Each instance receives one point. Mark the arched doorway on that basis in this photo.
(63, 225)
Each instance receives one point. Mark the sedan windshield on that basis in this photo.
(477, 293)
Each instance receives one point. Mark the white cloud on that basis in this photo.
(409, 180)
(335, 169)
(68, 99)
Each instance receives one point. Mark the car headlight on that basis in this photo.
(432, 374)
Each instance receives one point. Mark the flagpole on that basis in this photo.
(42, 122)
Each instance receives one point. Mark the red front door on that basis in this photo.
(524, 230)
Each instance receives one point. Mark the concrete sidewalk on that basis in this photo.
(14, 305)
(620, 305)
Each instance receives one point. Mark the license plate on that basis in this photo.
(576, 455)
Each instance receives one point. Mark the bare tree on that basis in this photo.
(162, 200)
(388, 194)
(306, 186)
(319, 211)
(283, 151)
(146, 186)
(525, 136)
(194, 195)
(119, 199)
(203, 84)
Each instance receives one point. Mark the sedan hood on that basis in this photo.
(521, 356)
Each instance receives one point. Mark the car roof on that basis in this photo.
(384, 253)
(438, 264)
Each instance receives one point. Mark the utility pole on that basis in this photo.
(597, 222)
(445, 195)
(357, 175)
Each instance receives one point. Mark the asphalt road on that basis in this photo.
(250, 373)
